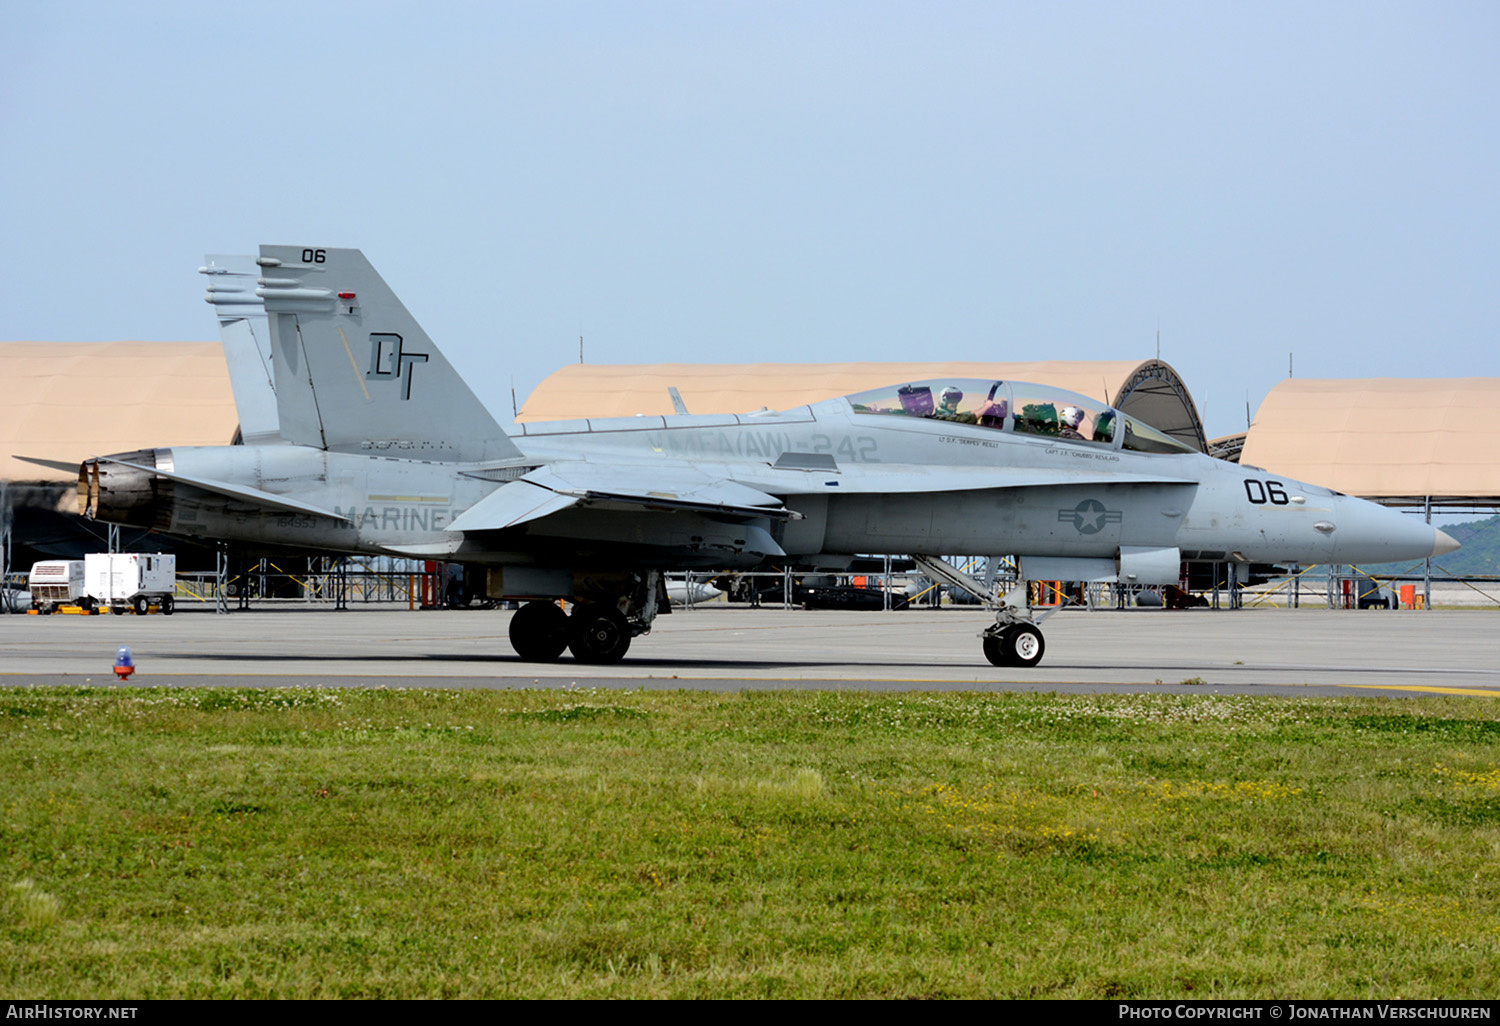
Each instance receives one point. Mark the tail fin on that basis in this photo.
(354, 370)
(247, 344)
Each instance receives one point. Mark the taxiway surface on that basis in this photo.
(1258, 651)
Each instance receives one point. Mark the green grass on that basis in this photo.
(161, 843)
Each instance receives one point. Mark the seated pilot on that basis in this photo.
(1071, 418)
(948, 408)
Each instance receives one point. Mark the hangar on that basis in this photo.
(1408, 442)
(68, 400)
(1400, 441)
(71, 399)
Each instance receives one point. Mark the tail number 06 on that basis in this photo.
(1261, 492)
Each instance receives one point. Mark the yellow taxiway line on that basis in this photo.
(1481, 692)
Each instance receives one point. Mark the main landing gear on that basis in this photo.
(597, 633)
(539, 632)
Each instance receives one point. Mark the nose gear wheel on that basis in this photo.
(1016, 645)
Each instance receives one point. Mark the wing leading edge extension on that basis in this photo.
(895, 479)
(552, 488)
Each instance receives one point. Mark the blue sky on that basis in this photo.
(729, 182)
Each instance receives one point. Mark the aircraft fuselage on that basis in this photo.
(877, 491)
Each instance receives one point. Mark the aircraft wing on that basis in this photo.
(509, 505)
(267, 500)
(558, 486)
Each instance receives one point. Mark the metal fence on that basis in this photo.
(341, 584)
(323, 582)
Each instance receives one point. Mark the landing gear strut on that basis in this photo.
(1014, 639)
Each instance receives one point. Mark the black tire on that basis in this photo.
(140, 605)
(598, 635)
(117, 610)
(994, 649)
(167, 605)
(539, 632)
(1017, 645)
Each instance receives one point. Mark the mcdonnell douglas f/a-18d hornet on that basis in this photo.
(380, 448)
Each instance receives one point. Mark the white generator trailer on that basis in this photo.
(55, 583)
(131, 580)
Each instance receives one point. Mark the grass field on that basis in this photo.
(564, 843)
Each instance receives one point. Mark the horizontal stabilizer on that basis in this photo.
(69, 466)
(279, 503)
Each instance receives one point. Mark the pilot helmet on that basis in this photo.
(1072, 416)
(951, 395)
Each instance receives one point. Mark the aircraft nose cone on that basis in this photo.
(1443, 544)
(1371, 533)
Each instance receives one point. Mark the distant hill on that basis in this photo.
(1481, 547)
(1480, 553)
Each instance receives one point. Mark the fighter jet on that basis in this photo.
(380, 447)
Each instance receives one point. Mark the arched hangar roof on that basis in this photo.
(1151, 391)
(1384, 438)
(67, 401)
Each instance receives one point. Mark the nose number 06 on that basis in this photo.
(1261, 492)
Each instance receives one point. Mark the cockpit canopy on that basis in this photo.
(1019, 407)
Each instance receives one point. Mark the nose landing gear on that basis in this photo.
(1015, 644)
(1015, 638)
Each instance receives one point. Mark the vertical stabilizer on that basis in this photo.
(247, 344)
(354, 370)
